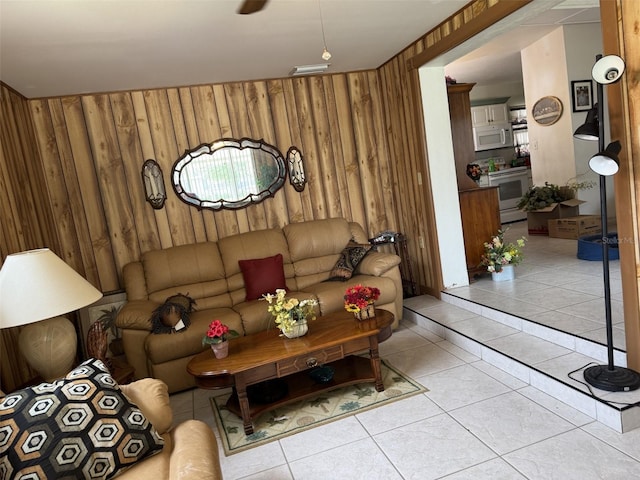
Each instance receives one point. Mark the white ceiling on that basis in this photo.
(63, 47)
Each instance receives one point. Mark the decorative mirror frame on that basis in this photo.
(297, 177)
(191, 198)
(153, 182)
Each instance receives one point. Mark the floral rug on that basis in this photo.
(299, 416)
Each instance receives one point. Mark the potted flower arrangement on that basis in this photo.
(499, 255)
(290, 314)
(359, 300)
(217, 336)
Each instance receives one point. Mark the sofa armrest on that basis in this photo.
(377, 263)
(195, 453)
(152, 397)
(136, 315)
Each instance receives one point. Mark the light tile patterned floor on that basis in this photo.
(476, 422)
(571, 301)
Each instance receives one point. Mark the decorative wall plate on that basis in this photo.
(547, 110)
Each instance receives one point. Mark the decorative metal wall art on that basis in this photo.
(297, 177)
(153, 182)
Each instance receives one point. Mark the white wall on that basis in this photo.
(442, 170)
(567, 54)
(544, 74)
(582, 44)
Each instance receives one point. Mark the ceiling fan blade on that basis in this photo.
(251, 6)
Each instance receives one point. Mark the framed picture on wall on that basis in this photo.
(547, 110)
(582, 95)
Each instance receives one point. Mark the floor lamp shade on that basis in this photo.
(36, 286)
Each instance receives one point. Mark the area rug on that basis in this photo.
(296, 417)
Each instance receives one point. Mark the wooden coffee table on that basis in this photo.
(332, 339)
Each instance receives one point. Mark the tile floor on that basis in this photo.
(571, 302)
(476, 421)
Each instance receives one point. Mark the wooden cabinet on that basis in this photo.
(480, 214)
(489, 114)
(461, 132)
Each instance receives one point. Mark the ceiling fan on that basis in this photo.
(251, 6)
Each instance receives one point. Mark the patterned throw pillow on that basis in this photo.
(349, 259)
(79, 427)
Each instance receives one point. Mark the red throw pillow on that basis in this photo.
(262, 275)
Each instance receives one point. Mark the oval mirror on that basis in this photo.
(228, 174)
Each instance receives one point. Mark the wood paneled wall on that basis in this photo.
(94, 146)
(26, 220)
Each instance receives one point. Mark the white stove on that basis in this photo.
(512, 184)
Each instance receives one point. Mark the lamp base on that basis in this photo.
(49, 346)
(616, 379)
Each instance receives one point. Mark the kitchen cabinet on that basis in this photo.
(489, 114)
(461, 131)
(480, 212)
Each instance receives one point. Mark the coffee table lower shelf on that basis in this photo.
(348, 371)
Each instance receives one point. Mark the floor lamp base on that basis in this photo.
(615, 379)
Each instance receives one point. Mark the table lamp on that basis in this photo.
(35, 287)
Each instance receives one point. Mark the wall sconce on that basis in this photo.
(153, 184)
(297, 177)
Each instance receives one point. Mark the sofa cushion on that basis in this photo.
(166, 348)
(195, 268)
(262, 275)
(330, 295)
(349, 259)
(80, 425)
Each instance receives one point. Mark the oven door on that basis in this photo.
(512, 185)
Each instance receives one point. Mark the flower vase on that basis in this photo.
(507, 273)
(365, 313)
(299, 329)
(220, 350)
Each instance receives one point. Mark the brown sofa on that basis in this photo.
(190, 448)
(209, 273)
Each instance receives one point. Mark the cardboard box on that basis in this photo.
(538, 220)
(575, 227)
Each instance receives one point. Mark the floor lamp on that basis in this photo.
(35, 287)
(605, 163)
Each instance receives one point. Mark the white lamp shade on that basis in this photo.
(608, 69)
(603, 165)
(37, 284)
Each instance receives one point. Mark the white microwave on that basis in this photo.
(489, 137)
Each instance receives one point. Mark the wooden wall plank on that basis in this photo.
(148, 152)
(143, 236)
(117, 218)
(283, 139)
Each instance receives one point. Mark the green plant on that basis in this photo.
(540, 197)
(108, 319)
(218, 332)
